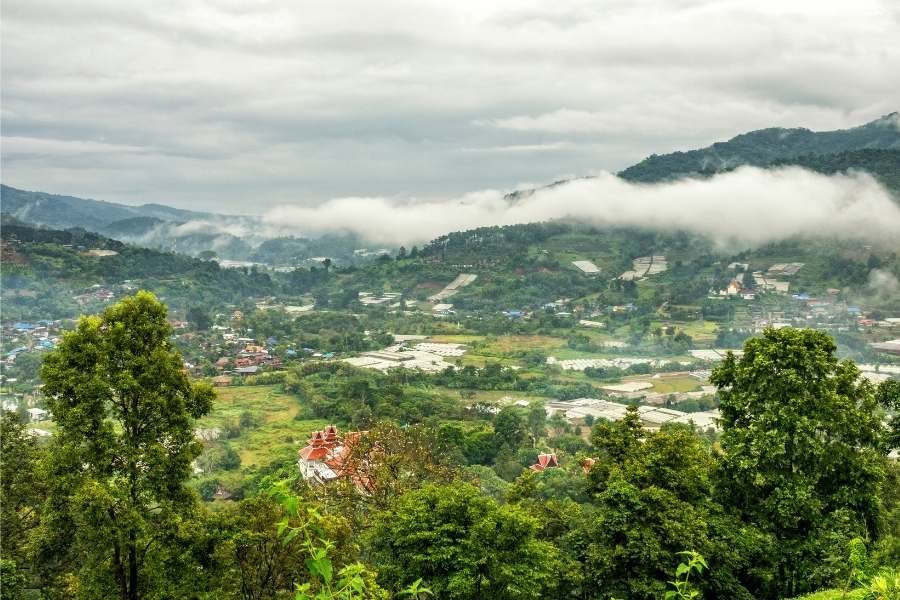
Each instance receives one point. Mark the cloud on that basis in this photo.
(520, 148)
(559, 121)
(748, 206)
(883, 284)
(239, 106)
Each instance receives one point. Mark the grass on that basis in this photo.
(702, 332)
(493, 395)
(505, 344)
(479, 360)
(276, 433)
(670, 383)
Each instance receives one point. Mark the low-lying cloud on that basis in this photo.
(748, 206)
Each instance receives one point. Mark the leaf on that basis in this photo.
(320, 567)
(294, 532)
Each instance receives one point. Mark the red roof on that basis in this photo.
(545, 461)
(331, 434)
(314, 453)
(327, 446)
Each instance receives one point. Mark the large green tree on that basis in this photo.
(123, 447)
(651, 499)
(21, 495)
(801, 451)
(463, 545)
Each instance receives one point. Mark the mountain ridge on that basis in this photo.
(763, 146)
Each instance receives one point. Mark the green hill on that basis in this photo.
(63, 212)
(763, 147)
(44, 269)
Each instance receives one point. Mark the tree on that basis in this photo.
(123, 447)
(463, 545)
(21, 490)
(651, 499)
(510, 427)
(386, 461)
(537, 420)
(801, 459)
(888, 395)
(199, 317)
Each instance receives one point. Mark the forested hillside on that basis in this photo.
(46, 269)
(763, 147)
(54, 210)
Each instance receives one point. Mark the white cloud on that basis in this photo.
(746, 206)
(240, 105)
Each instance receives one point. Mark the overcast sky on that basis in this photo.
(241, 105)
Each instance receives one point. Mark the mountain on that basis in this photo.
(132, 226)
(150, 225)
(763, 147)
(62, 212)
(171, 229)
(53, 272)
(884, 165)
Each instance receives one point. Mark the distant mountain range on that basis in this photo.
(57, 211)
(873, 147)
(165, 228)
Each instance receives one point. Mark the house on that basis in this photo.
(442, 309)
(544, 462)
(251, 370)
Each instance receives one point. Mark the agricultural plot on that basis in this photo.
(273, 432)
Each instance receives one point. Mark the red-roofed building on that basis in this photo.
(326, 458)
(545, 461)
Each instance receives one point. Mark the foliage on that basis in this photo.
(463, 545)
(800, 445)
(124, 442)
(21, 490)
(350, 582)
(684, 590)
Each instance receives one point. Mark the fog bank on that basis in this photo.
(748, 206)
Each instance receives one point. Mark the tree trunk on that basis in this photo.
(132, 567)
(120, 571)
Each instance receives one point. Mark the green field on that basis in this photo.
(670, 383)
(499, 396)
(276, 434)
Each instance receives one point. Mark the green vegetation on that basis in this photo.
(122, 448)
(436, 498)
(778, 146)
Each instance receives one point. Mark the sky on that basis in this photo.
(244, 106)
